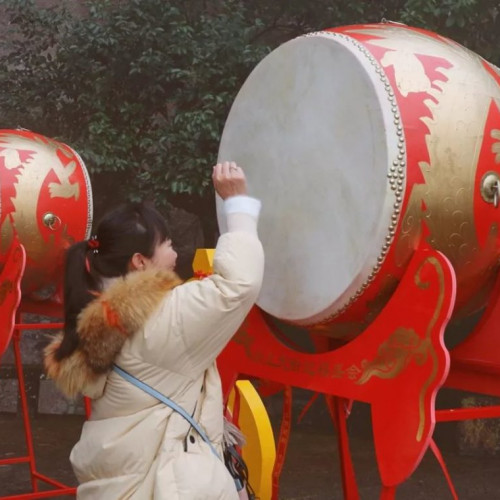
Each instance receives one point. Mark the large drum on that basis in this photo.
(46, 198)
(364, 142)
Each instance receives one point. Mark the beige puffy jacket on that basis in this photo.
(168, 335)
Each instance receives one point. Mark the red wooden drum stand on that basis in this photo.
(397, 365)
(10, 330)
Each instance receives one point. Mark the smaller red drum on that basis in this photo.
(46, 198)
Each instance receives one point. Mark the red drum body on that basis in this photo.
(364, 142)
(46, 199)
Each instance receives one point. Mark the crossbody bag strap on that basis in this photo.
(167, 401)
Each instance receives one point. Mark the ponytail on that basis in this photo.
(78, 285)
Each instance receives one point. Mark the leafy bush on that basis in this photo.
(141, 88)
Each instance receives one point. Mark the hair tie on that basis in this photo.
(93, 244)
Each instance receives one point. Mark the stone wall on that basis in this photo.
(43, 396)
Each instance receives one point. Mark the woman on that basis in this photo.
(125, 305)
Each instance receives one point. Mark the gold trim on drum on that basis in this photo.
(443, 204)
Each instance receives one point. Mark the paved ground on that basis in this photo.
(311, 471)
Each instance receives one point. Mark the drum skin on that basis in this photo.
(432, 154)
(46, 199)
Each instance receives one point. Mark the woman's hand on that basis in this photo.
(229, 180)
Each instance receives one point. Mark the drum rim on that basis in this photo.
(395, 148)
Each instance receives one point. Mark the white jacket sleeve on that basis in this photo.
(207, 313)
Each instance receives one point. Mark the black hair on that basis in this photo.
(128, 229)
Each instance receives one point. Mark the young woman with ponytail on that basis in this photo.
(125, 306)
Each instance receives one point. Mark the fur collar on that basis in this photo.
(104, 325)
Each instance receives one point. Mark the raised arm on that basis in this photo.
(207, 313)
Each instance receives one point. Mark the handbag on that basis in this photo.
(232, 460)
(238, 469)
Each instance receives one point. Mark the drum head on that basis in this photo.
(314, 131)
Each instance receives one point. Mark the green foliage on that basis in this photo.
(141, 88)
(473, 23)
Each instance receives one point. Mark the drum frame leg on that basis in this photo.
(58, 488)
(397, 365)
(388, 493)
(339, 410)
